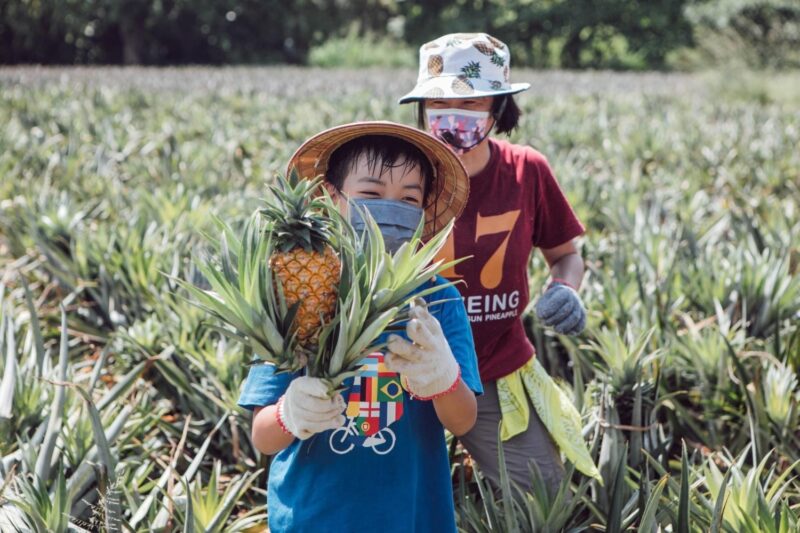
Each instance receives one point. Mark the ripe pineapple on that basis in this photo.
(304, 262)
(435, 65)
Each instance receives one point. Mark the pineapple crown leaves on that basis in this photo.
(471, 70)
(298, 215)
(245, 295)
(376, 289)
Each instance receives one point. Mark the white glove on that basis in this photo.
(306, 409)
(428, 365)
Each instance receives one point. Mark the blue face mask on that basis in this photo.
(397, 220)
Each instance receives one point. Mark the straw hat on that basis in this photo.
(463, 65)
(450, 179)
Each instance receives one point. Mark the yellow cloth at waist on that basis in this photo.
(553, 406)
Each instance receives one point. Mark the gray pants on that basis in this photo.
(534, 445)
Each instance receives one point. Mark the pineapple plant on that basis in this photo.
(303, 260)
(276, 285)
(435, 65)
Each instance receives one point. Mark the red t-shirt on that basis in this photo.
(515, 204)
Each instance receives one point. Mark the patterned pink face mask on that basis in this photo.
(460, 128)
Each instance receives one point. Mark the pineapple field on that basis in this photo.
(118, 395)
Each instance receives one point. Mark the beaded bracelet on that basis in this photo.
(279, 408)
(449, 389)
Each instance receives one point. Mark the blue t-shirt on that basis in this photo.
(386, 469)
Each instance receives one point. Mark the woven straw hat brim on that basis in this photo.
(441, 87)
(451, 182)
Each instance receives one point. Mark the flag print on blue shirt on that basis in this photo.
(374, 402)
(394, 479)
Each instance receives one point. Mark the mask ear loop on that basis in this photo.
(496, 116)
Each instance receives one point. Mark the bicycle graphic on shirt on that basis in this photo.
(374, 402)
(344, 439)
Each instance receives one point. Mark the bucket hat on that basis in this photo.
(463, 65)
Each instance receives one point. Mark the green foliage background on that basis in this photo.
(617, 34)
(686, 377)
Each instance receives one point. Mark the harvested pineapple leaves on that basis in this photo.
(244, 295)
(375, 287)
(375, 291)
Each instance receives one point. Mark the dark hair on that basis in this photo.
(383, 152)
(506, 117)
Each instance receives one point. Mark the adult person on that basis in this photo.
(464, 96)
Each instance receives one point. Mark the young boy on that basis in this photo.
(374, 457)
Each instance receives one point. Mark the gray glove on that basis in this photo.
(561, 308)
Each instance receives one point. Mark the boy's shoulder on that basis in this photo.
(444, 293)
(447, 301)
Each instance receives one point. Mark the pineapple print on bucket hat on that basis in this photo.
(450, 180)
(460, 65)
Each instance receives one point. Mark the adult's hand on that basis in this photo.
(561, 308)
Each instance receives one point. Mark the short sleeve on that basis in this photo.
(456, 328)
(554, 221)
(263, 386)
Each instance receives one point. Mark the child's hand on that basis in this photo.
(561, 308)
(427, 364)
(306, 409)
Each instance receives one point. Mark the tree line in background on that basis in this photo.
(621, 34)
